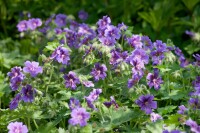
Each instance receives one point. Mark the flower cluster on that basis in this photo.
(107, 33)
(31, 24)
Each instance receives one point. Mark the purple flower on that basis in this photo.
(88, 83)
(94, 95)
(173, 131)
(135, 79)
(194, 127)
(33, 68)
(158, 53)
(122, 27)
(183, 61)
(22, 26)
(28, 93)
(74, 103)
(58, 31)
(146, 103)
(16, 72)
(16, 77)
(135, 41)
(17, 127)
(138, 54)
(49, 20)
(178, 52)
(99, 72)
(34, 23)
(154, 117)
(61, 54)
(112, 32)
(190, 33)
(182, 109)
(197, 57)
(82, 15)
(138, 67)
(104, 22)
(15, 83)
(194, 103)
(108, 41)
(71, 80)
(196, 83)
(60, 20)
(115, 57)
(79, 116)
(147, 42)
(154, 80)
(14, 103)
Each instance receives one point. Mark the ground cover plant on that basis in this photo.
(100, 78)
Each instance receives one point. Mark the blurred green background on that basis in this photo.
(158, 19)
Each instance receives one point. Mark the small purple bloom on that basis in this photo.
(197, 57)
(182, 109)
(83, 15)
(183, 61)
(154, 80)
(94, 95)
(147, 42)
(173, 131)
(22, 26)
(16, 77)
(17, 127)
(99, 72)
(178, 52)
(112, 32)
(135, 79)
(33, 68)
(14, 103)
(60, 20)
(108, 41)
(122, 27)
(146, 103)
(194, 103)
(88, 83)
(194, 127)
(79, 116)
(111, 102)
(135, 41)
(34, 23)
(28, 93)
(154, 117)
(138, 54)
(74, 103)
(71, 80)
(104, 22)
(61, 54)
(190, 33)
(58, 31)
(138, 67)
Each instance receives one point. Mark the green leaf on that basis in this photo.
(86, 129)
(173, 119)
(190, 3)
(155, 127)
(122, 115)
(166, 109)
